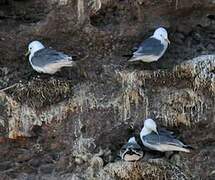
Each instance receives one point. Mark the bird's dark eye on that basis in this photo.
(123, 149)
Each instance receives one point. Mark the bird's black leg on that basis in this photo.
(45, 76)
(153, 66)
(30, 75)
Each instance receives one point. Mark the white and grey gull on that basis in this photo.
(47, 60)
(160, 140)
(153, 48)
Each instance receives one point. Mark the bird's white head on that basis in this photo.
(34, 46)
(150, 125)
(161, 34)
(132, 140)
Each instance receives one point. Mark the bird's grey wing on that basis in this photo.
(163, 131)
(150, 46)
(155, 139)
(134, 146)
(47, 56)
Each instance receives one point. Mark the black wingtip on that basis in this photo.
(127, 55)
(74, 57)
(129, 58)
(189, 147)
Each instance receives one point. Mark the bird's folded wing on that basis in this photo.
(150, 46)
(162, 139)
(47, 56)
(163, 131)
(134, 146)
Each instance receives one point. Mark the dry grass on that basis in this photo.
(40, 93)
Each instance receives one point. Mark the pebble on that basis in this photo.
(184, 28)
(179, 38)
(62, 163)
(97, 162)
(5, 165)
(24, 157)
(47, 168)
(210, 46)
(34, 162)
(197, 37)
(47, 159)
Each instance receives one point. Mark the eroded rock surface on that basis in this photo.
(72, 125)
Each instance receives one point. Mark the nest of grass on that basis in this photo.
(40, 93)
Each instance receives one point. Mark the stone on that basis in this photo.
(47, 168)
(5, 165)
(35, 162)
(24, 157)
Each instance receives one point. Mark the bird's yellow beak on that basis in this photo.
(155, 130)
(167, 40)
(27, 53)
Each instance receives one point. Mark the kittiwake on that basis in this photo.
(47, 60)
(160, 140)
(131, 151)
(153, 48)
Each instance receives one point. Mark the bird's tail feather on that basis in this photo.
(185, 150)
(69, 63)
(131, 57)
(134, 59)
(177, 148)
(189, 147)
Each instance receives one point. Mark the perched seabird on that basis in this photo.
(160, 140)
(152, 48)
(46, 60)
(131, 151)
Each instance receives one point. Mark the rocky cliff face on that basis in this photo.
(72, 125)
